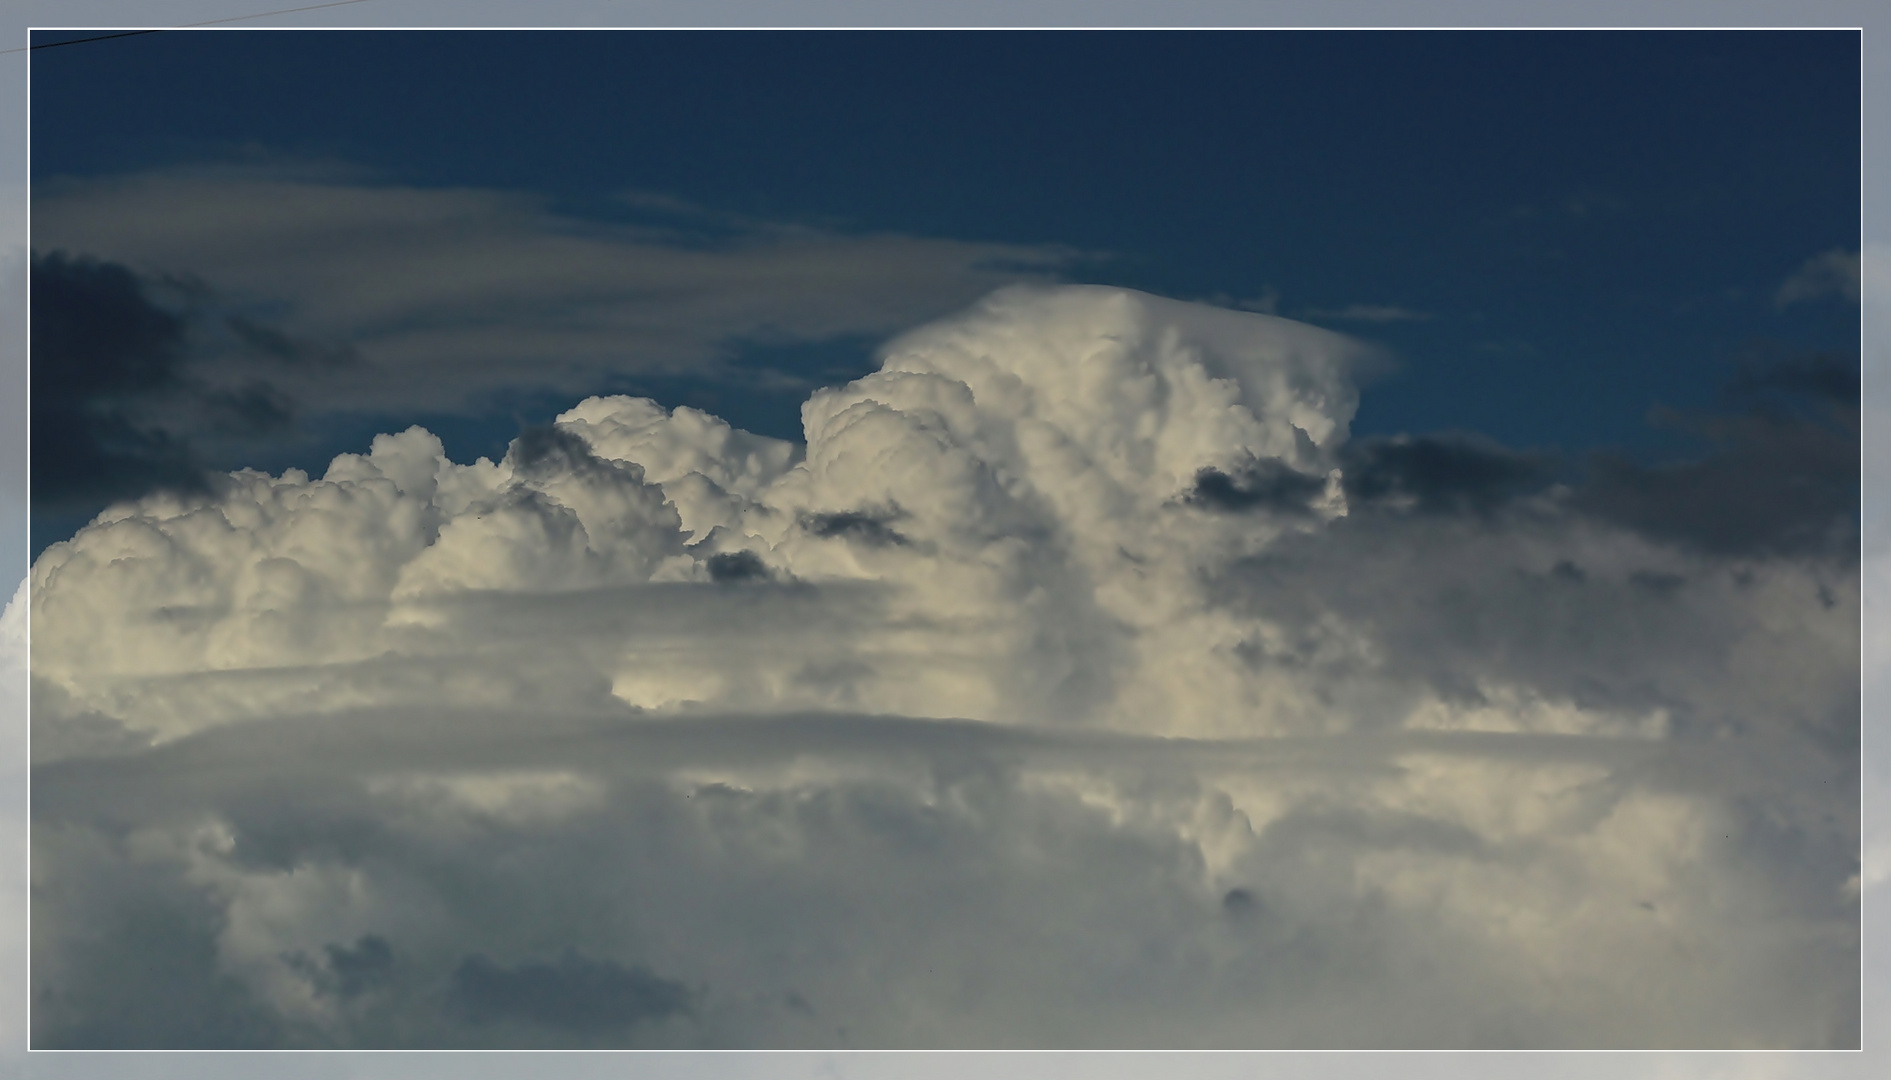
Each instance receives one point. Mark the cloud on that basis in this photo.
(15, 278)
(14, 640)
(1778, 472)
(1267, 303)
(139, 383)
(1074, 683)
(1831, 273)
(1268, 485)
(1825, 375)
(14, 884)
(572, 993)
(100, 346)
(1449, 473)
(449, 296)
(865, 527)
(1777, 484)
(1371, 313)
(353, 970)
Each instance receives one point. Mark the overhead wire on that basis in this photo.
(184, 26)
(83, 40)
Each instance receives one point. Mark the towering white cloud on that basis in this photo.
(1014, 487)
(1050, 694)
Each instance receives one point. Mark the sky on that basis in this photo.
(1552, 235)
(1208, 540)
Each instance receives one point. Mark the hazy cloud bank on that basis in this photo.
(1076, 683)
(444, 296)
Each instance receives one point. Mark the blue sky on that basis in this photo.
(1551, 234)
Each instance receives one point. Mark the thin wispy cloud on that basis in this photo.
(1369, 313)
(1831, 273)
(450, 295)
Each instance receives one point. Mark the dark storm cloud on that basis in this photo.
(737, 566)
(572, 993)
(97, 332)
(1440, 473)
(1775, 485)
(1780, 473)
(872, 528)
(127, 389)
(1263, 485)
(101, 349)
(1777, 475)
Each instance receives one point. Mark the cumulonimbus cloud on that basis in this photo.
(1062, 689)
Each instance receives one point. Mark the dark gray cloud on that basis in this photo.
(140, 384)
(347, 970)
(1440, 473)
(1776, 472)
(274, 343)
(1774, 484)
(546, 450)
(571, 993)
(135, 976)
(1263, 485)
(361, 966)
(1829, 376)
(871, 527)
(736, 566)
(101, 351)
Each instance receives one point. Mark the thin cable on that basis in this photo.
(186, 26)
(267, 14)
(83, 40)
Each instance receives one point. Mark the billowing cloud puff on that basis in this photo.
(1012, 492)
(1063, 689)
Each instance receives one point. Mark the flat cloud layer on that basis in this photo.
(440, 298)
(1064, 689)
